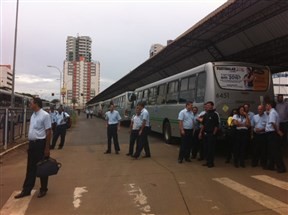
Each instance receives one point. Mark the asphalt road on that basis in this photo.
(92, 183)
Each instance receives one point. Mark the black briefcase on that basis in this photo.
(47, 167)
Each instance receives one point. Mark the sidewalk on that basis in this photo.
(11, 146)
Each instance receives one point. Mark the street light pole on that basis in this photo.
(14, 57)
(60, 80)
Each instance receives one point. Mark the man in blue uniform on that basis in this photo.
(39, 141)
(186, 121)
(113, 124)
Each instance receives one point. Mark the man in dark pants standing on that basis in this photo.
(186, 119)
(113, 124)
(143, 132)
(209, 130)
(274, 135)
(61, 119)
(39, 141)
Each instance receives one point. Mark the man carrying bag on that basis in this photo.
(39, 141)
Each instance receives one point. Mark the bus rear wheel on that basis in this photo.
(167, 132)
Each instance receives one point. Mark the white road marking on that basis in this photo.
(256, 196)
(78, 191)
(16, 206)
(140, 199)
(269, 180)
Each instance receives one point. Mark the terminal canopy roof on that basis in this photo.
(252, 31)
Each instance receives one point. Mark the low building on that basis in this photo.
(6, 76)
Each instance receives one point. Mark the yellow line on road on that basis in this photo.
(256, 196)
(16, 206)
(275, 182)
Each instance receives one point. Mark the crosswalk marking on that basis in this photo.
(256, 196)
(273, 181)
(16, 206)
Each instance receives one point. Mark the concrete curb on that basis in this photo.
(14, 147)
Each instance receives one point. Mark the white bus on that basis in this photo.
(227, 84)
(121, 102)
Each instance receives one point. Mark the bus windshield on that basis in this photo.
(242, 78)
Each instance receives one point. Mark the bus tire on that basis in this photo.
(167, 132)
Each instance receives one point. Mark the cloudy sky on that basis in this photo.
(121, 32)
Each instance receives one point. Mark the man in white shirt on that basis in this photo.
(135, 126)
(113, 124)
(273, 135)
(143, 132)
(186, 125)
(39, 141)
(61, 119)
(259, 141)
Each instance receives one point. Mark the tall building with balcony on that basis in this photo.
(6, 76)
(155, 48)
(81, 74)
(77, 47)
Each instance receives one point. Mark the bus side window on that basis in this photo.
(161, 95)
(184, 93)
(145, 96)
(152, 96)
(192, 87)
(201, 84)
(172, 92)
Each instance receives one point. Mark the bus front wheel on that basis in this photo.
(167, 132)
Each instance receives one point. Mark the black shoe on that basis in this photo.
(41, 194)
(128, 154)
(188, 160)
(22, 194)
(236, 165)
(281, 170)
(227, 161)
(180, 161)
(205, 164)
(210, 165)
(200, 159)
(134, 157)
(107, 152)
(242, 165)
(52, 147)
(117, 152)
(60, 147)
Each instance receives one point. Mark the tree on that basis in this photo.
(74, 101)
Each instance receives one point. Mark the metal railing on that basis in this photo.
(14, 124)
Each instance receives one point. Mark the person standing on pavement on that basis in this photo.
(282, 109)
(143, 132)
(39, 141)
(91, 113)
(242, 123)
(113, 125)
(273, 135)
(87, 113)
(259, 138)
(135, 126)
(186, 121)
(209, 131)
(61, 127)
(196, 142)
(52, 114)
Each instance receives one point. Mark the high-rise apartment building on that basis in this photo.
(81, 73)
(155, 48)
(6, 76)
(77, 47)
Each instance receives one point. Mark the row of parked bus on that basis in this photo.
(227, 84)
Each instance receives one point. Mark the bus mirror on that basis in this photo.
(132, 97)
